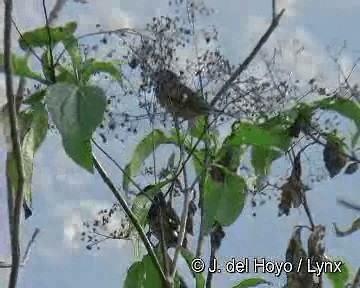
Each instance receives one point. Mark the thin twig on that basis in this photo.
(117, 165)
(200, 241)
(185, 209)
(273, 9)
(131, 216)
(119, 31)
(248, 60)
(28, 248)
(27, 252)
(50, 44)
(183, 222)
(349, 205)
(307, 211)
(356, 283)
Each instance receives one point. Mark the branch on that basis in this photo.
(50, 47)
(117, 165)
(16, 149)
(179, 245)
(131, 216)
(349, 205)
(248, 60)
(216, 237)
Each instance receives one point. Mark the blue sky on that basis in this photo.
(65, 195)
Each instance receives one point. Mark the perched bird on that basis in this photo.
(162, 216)
(177, 98)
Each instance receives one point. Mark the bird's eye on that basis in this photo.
(184, 97)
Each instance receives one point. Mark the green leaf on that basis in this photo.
(76, 111)
(91, 66)
(339, 279)
(262, 158)
(189, 257)
(39, 125)
(80, 151)
(355, 139)
(28, 156)
(21, 68)
(345, 107)
(40, 37)
(251, 282)
(72, 47)
(142, 201)
(47, 69)
(197, 130)
(143, 274)
(198, 158)
(229, 156)
(33, 127)
(252, 134)
(354, 227)
(147, 145)
(28, 151)
(35, 98)
(66, 76)
(223, 200)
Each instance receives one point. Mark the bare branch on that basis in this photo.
(248, 60)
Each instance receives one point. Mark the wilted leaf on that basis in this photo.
(334, 157)
(296, 254)
(316, 247)
(190, 218)
(352, 168)
(291, 195)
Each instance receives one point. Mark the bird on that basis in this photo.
(178, 98)
(162, 216)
